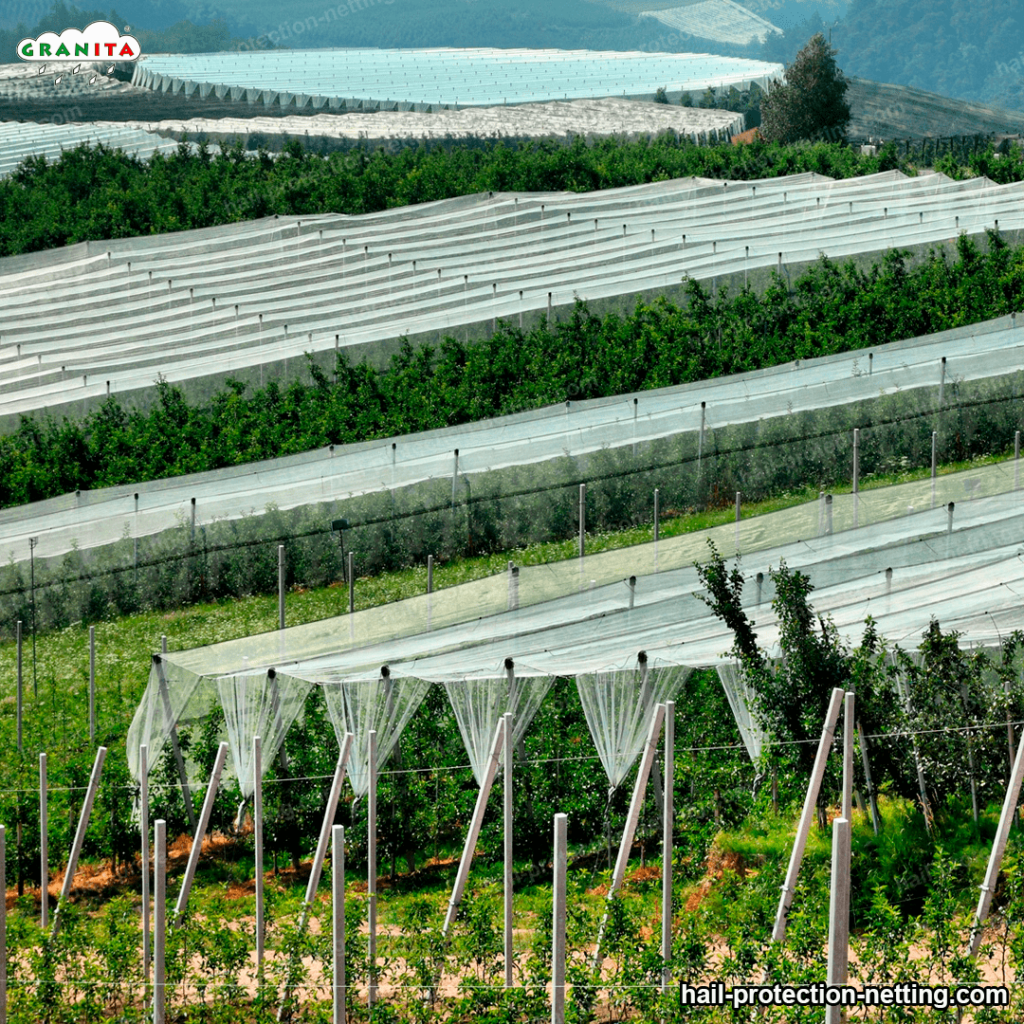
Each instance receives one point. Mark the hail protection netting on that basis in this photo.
(479, 704)
(741, 696)
(619, 706)
(163, 704)
(260, 704)
(383, 704)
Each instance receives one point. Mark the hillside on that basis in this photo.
(965, 49)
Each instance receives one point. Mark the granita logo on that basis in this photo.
(98, 40)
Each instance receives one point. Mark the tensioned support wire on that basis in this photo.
(897, 734)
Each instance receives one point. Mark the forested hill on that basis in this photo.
(965, 49)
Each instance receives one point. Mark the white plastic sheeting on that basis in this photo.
(479, 704)
(341, 79)
(740, 695)
(619, 705)
(258, 704)
(384, 704)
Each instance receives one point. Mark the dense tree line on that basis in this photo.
(831, 308)
(98, 193)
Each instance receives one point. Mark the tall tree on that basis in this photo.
(811, 103)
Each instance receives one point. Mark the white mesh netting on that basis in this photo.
(619, 706)
(383, 704)
(740, 695)
(260, 704)
(479, 704)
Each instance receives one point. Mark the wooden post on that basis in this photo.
(338, 919)
(159, 917)
(558, 921)
(430, 574)
(83, 824)
(804, 827)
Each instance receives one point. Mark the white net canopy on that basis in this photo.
(619, 706)
(479, 704)
(384, 705)
(576, 618)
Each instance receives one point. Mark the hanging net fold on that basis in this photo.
(741, 696)
(619, 706)
(479, 704)
(383, 704)
(263, 704)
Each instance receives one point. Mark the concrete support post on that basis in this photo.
(806, 815)
(558, 921)
(338, 919)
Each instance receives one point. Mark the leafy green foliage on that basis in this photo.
(96, 192)
(810, 104)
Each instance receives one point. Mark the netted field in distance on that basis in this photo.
(109, 317)
(443, 77)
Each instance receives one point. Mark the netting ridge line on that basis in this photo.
(467, 502)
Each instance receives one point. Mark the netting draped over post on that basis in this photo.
(479, 704)
(740, 695)
(163, 704)
(619, 705)
(384, 704)
(260, 704)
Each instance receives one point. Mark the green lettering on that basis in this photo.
(62, 51)
(44, 49)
